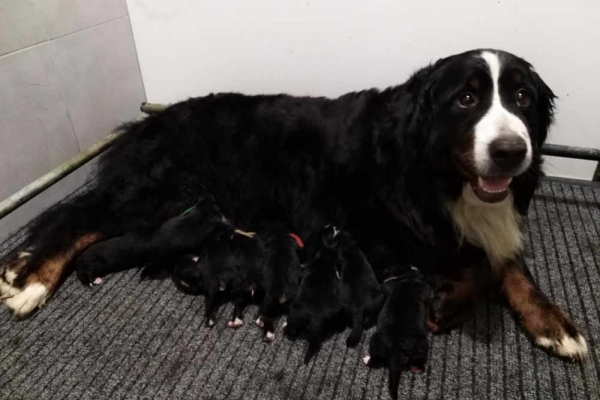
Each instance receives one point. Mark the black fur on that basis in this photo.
(177, 236)
(360, 293)
(401, 338)
(281, 273)
(317, 312)
(383, 164)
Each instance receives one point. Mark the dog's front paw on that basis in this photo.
(447, 309)
(87, 276)
(556, 332)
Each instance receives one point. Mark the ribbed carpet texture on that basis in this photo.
(131, 340)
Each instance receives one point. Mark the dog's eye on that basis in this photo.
(523, 98)
(467, 100)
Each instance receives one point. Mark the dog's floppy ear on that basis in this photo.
(421, 88)
(544, 107)
(329, 236)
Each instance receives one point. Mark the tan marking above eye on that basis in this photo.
(475, 83)
(517, 76)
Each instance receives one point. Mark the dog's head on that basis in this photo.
(484, 115)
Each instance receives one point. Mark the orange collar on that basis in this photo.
(297, 239)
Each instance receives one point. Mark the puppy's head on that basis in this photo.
(484, 114)
(329, 236)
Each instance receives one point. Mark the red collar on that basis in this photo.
(297, 239)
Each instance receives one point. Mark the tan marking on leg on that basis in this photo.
(543, 320)
(51, 271)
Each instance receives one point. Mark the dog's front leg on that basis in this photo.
(547, 324)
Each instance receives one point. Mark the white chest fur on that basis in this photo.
(493, 227)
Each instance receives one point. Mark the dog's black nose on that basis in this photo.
(508, 152)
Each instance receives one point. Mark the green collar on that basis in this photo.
(189, 210)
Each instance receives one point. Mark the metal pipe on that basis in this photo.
(152, 108)
(39, 185)
(582, 153)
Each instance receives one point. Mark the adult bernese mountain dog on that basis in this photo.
(435, 172)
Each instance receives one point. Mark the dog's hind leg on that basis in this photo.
(239, 304)
(54, 239)
(210, 304)
(269, 311)
(357, 329)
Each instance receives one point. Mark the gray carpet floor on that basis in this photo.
(132, 340)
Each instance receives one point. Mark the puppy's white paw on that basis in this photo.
(366, 359)
(28, 299)
(567, 346)
(284, 324)
(259, 323)
(236, 323)
(211, 323)
(96, 282)
(270, 337)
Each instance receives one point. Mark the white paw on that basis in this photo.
(568, 346)
(366, 359)
(27, 300)
(236, 323)
(96, 282)
(270, 336)
(284, 324)
(259, 323)
(211, 322)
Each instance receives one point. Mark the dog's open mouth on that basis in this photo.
(491, 190)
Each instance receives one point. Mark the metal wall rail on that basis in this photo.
(28, 192)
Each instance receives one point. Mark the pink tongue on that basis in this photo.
(495, 183)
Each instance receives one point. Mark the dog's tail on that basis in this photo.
(314, 346)
(395, 371)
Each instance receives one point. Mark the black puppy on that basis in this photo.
(401, 338)
(251, 289)
(360, 293)
(178, 236)
(281, 276)
(317, 312)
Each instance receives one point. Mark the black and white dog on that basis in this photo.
(438, 169)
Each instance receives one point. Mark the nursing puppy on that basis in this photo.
(251, 289)
(317, 312)
(401, 338)
(178, 236)
(360, 293)
(281, 274)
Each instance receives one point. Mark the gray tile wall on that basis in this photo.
(68, 75)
